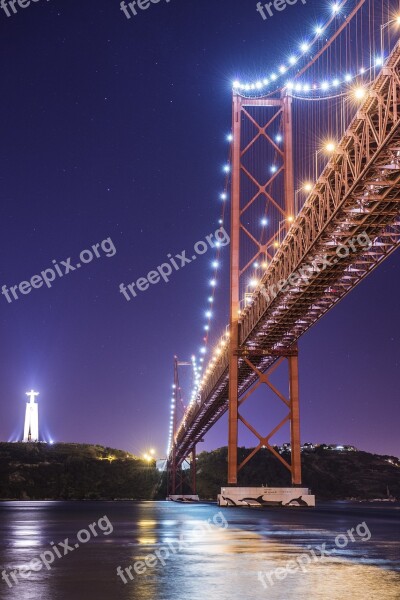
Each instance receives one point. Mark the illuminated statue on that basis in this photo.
(31, 429)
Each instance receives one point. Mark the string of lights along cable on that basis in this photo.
(209, 312)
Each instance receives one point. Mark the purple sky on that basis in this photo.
(116, 128)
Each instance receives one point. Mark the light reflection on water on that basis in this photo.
(215, 562)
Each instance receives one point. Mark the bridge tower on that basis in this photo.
(176, 482)
(256, 122)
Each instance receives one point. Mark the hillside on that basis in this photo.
(80, 471)
(330, 474)
(73, 471)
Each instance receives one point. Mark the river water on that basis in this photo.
(198, 552)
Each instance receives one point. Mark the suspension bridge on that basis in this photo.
(313, 182)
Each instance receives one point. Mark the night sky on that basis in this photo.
(115, 128)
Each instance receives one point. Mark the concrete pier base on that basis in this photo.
(266, 496)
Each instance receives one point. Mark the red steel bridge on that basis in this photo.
(315, 159)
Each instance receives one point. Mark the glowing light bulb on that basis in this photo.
(304, 47)
(236, 84)
(264, 265)
(278, 138)
(227, 168)
(229, 137)
(276, 244)
(290, 219)
(330, 147)
(253, 283)
(293, 60)
(307, 187)
(223, 196)
(335, 7)
(264, 221)
(282, 69)
(273, 76)
(274, 169)
(359, 93)
(319, 30)
(213, 283)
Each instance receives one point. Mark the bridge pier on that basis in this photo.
(266, 497)
(255, 359)
(176, 478)
(252, 358)
(194, 471)
(295, 442)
